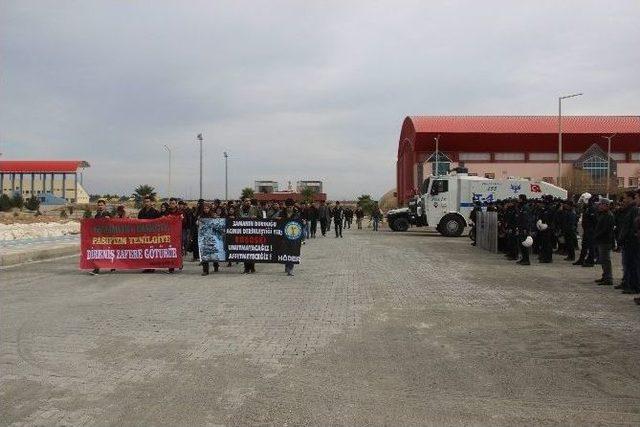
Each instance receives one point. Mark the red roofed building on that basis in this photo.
(52, 181)
(519, 146)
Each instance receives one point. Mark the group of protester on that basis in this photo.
(310, 216)
(548, 225)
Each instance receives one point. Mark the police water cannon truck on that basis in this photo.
(446, 201)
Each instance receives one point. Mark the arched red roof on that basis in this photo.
(507, 134)
(517, 133)
(42, 166)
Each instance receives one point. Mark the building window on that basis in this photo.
(490, 175)
(474, 156)
(570, 157)
(633, 181)
(620, 182)
(543, 157)
(596, 167)
(509, 157)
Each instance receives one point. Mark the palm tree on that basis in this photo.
(247, 193)
(366, 203)
(143, 191)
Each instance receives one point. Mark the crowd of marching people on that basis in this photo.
(549, 226)
(314, 217)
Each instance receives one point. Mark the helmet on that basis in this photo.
(543, 226)
(584, 198)
(528, 242)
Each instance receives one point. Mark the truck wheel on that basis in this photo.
(400, 224)
(451, 226)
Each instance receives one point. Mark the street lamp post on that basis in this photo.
(608, 138)
(226, 176)
(166, 147)
(200, 139)
(560, 133)
(437, 140)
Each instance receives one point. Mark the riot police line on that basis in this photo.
(582, 231)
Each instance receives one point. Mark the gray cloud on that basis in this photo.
(291, 89)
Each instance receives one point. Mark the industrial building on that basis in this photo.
(520, 146)
(53, 182)
(268, 191)
(265, 186)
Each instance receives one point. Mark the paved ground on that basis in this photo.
(376, 328)
(24, 250)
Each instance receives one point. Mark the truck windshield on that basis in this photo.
(439, 186)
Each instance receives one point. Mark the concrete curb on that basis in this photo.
(10, 259)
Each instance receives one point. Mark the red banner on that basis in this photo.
(130, 244)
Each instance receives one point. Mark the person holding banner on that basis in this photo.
(101, 212)
(207, 212)
(291, 214)
(148, 211)
(248, 211)
(174, 211)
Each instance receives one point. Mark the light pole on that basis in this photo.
(560, 133)
(226, 177)
(608, 138)
(437, 140)
(166, 147)
(200, 139)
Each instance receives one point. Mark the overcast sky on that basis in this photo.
(292, 90)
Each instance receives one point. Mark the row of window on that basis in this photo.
(632, 181)
(537, 157)
(59, 190)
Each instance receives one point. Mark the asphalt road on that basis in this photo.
(374, 329)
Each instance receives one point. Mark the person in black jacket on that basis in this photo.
(148, 211)
(338, 214)
(603, 238)
(587, 252)
(546, 234)
(568, 228)
(629, 243)
(312, 217)
(523, 216)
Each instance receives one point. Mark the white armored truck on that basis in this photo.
(446, 201)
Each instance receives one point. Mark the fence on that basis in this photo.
(487, 231)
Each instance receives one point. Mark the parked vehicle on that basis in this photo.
(446, 201)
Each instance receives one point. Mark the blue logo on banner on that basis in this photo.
(292, 230)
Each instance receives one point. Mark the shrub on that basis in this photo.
(63, 213)
(87, 213)
(32, 203)
(5, 203)
(17, 201)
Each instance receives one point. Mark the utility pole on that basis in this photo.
(226, 176)
(200, 139)
(166, 147)
(560, 134)
(608, 138)
(437, 140)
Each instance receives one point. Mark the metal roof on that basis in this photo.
(42, 166)
(526, 124)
